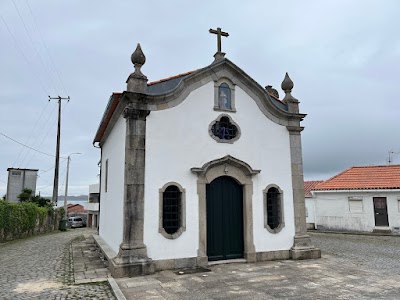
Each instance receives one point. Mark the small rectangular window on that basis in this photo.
(398, 202)
(15, 173)
(106, 177)
(355, 204)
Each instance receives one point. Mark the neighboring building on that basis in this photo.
(359, 199)
(199, 167)
(18, 180)
(92, 206)
(310, 203)
(75, 209)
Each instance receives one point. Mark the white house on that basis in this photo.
(310, 202)
(359, 199)
(92, 206)
(202, 166)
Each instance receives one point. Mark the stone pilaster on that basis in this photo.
(132, 259)
(302, 247)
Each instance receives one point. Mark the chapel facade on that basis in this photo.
(199, 167)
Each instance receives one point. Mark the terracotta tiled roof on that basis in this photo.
(172, 77)
(310, 185)
(364, 178)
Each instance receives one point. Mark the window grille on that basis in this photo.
(172, 206)
(273, 208)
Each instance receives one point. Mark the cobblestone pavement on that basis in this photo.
(381, 253)
(352, 267)
(40, 268)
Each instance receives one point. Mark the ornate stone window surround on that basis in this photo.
(242, 173)
(231, 85)
(282, 218)
(231, 141)
(183, 211)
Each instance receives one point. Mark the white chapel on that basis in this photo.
(200, 167)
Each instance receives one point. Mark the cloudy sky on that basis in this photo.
(343, 57)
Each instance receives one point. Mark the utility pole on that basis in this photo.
(66, 186)
(55, 185)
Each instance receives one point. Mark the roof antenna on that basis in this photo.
(390, 159)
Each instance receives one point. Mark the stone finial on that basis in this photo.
(292, 102)
(137, 57)
(287, 84)
(137, 81)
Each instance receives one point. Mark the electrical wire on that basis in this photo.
(47, 49)
(34, 47)
(38, 151)
(31, 134)
(26, 59)
(39, 136)
(47, 133)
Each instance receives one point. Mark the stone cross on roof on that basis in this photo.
(219, 33)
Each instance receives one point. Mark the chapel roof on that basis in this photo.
(309, 186)
(162, 87)
(166, 84)
(364, 178)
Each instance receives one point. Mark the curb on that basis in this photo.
(115, 289)
(353, 233)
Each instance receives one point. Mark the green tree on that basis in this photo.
(26, 195)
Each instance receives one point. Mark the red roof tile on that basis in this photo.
(364, 178)
(172, 77)
(310, 185)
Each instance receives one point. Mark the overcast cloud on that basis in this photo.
(343, 57)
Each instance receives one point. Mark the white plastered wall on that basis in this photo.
(333, 213)
(177, 140)
(310, 210)
(111, 209)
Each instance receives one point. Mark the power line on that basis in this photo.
(23, 55)
(45, 136)
(38, 151)
(34, 127)
(33, 145)
(47, 49)
(34, 47)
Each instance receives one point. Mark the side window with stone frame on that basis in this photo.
(224, 95)
(172, 211)
(273, 209)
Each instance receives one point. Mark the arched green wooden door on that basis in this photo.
(224, 200)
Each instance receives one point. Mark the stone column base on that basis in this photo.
(250, 257)
(307, 253)
(202, 261)
(132, 269)
(303, 249)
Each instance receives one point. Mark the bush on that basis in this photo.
(18, 219)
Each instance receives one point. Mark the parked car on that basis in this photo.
(75, 222)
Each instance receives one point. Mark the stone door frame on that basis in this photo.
(242, 173)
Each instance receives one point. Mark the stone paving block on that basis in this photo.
(46, 272)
